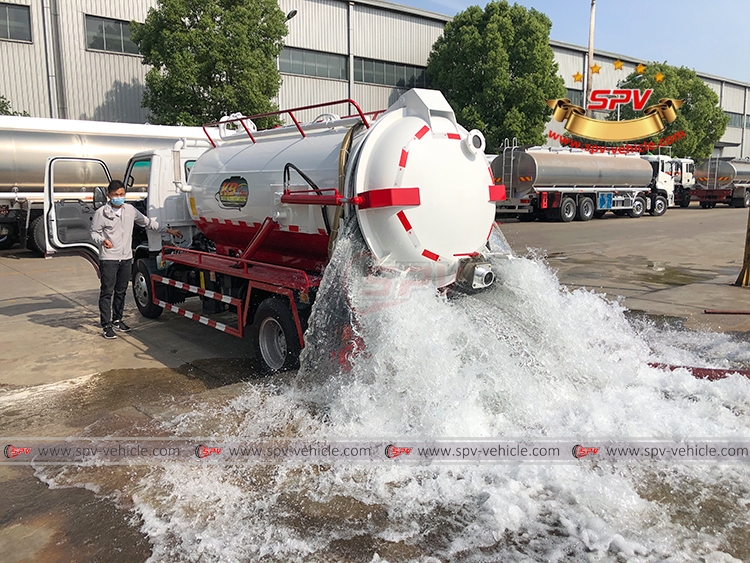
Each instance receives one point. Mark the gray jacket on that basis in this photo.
(119, 230)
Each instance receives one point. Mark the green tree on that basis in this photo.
(210, 58)
(497, 70)
(6, 109)
(700, 117)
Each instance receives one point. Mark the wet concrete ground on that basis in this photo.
(60, 378)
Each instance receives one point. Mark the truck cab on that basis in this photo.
(684, 180)
(154, 182)
(662, 182)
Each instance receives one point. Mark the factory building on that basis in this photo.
(74, 59)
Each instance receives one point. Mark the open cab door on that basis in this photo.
(74, 188)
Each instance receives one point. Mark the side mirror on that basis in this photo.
(100, 197)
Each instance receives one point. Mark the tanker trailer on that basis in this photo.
(27, 142)
(415, 185)
(723, 180)
(564, 184)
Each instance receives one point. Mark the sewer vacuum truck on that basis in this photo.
(27, 142)
(266, 208)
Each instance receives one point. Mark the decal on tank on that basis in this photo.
(233, 193)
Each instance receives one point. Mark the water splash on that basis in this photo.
(528, 358)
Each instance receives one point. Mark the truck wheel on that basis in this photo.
(35, 236)
(685, 201)
(567, 211)
(275, 342)
(142, 291)
(598, 214)
(585, 209)
(659, 206)
(639, 206)
(746, 200)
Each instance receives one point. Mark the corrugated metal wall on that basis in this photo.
(734, 98)
(101, 86)
(23, 74)
(319, 25)
(393, 37)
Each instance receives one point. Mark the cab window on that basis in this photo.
(138, 175)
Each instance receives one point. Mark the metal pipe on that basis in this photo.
(590, 52)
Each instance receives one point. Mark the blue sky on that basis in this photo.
(708, 36)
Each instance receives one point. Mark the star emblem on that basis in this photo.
(595, 69)
(578, 77)
(641, 68)
(659, 77)
(618, 64)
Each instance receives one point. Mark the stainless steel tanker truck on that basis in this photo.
(723, 180)
(261, 212)
(565, 184)
(27, 142)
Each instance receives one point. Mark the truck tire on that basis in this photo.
(567, 211)
(746, 199)
(659, 206)
(35, 236)
(598, 214)
(142, 291)
(586, 209)
(639, 207)
(274, 336)
(685, 201)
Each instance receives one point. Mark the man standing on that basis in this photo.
(112, 230)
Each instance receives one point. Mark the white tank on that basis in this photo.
(426, 188)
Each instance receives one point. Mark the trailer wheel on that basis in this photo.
(639, 207)
(275, 342)
(659, 206)
(708, 204)
(586, 209)
(142, 291)
(567, 211)
(598, 214)
(746, 199)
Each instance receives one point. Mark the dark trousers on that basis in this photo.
(115, 277)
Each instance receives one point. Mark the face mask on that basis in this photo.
(118, 201)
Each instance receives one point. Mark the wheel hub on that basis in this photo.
(272, 343)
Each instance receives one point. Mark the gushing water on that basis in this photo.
(526, 359)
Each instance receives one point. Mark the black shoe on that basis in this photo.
(109, 332)
(120, 326)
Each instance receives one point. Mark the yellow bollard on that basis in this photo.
(744, 277)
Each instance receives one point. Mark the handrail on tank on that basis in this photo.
(242, 120)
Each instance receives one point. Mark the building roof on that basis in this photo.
(400, 8)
